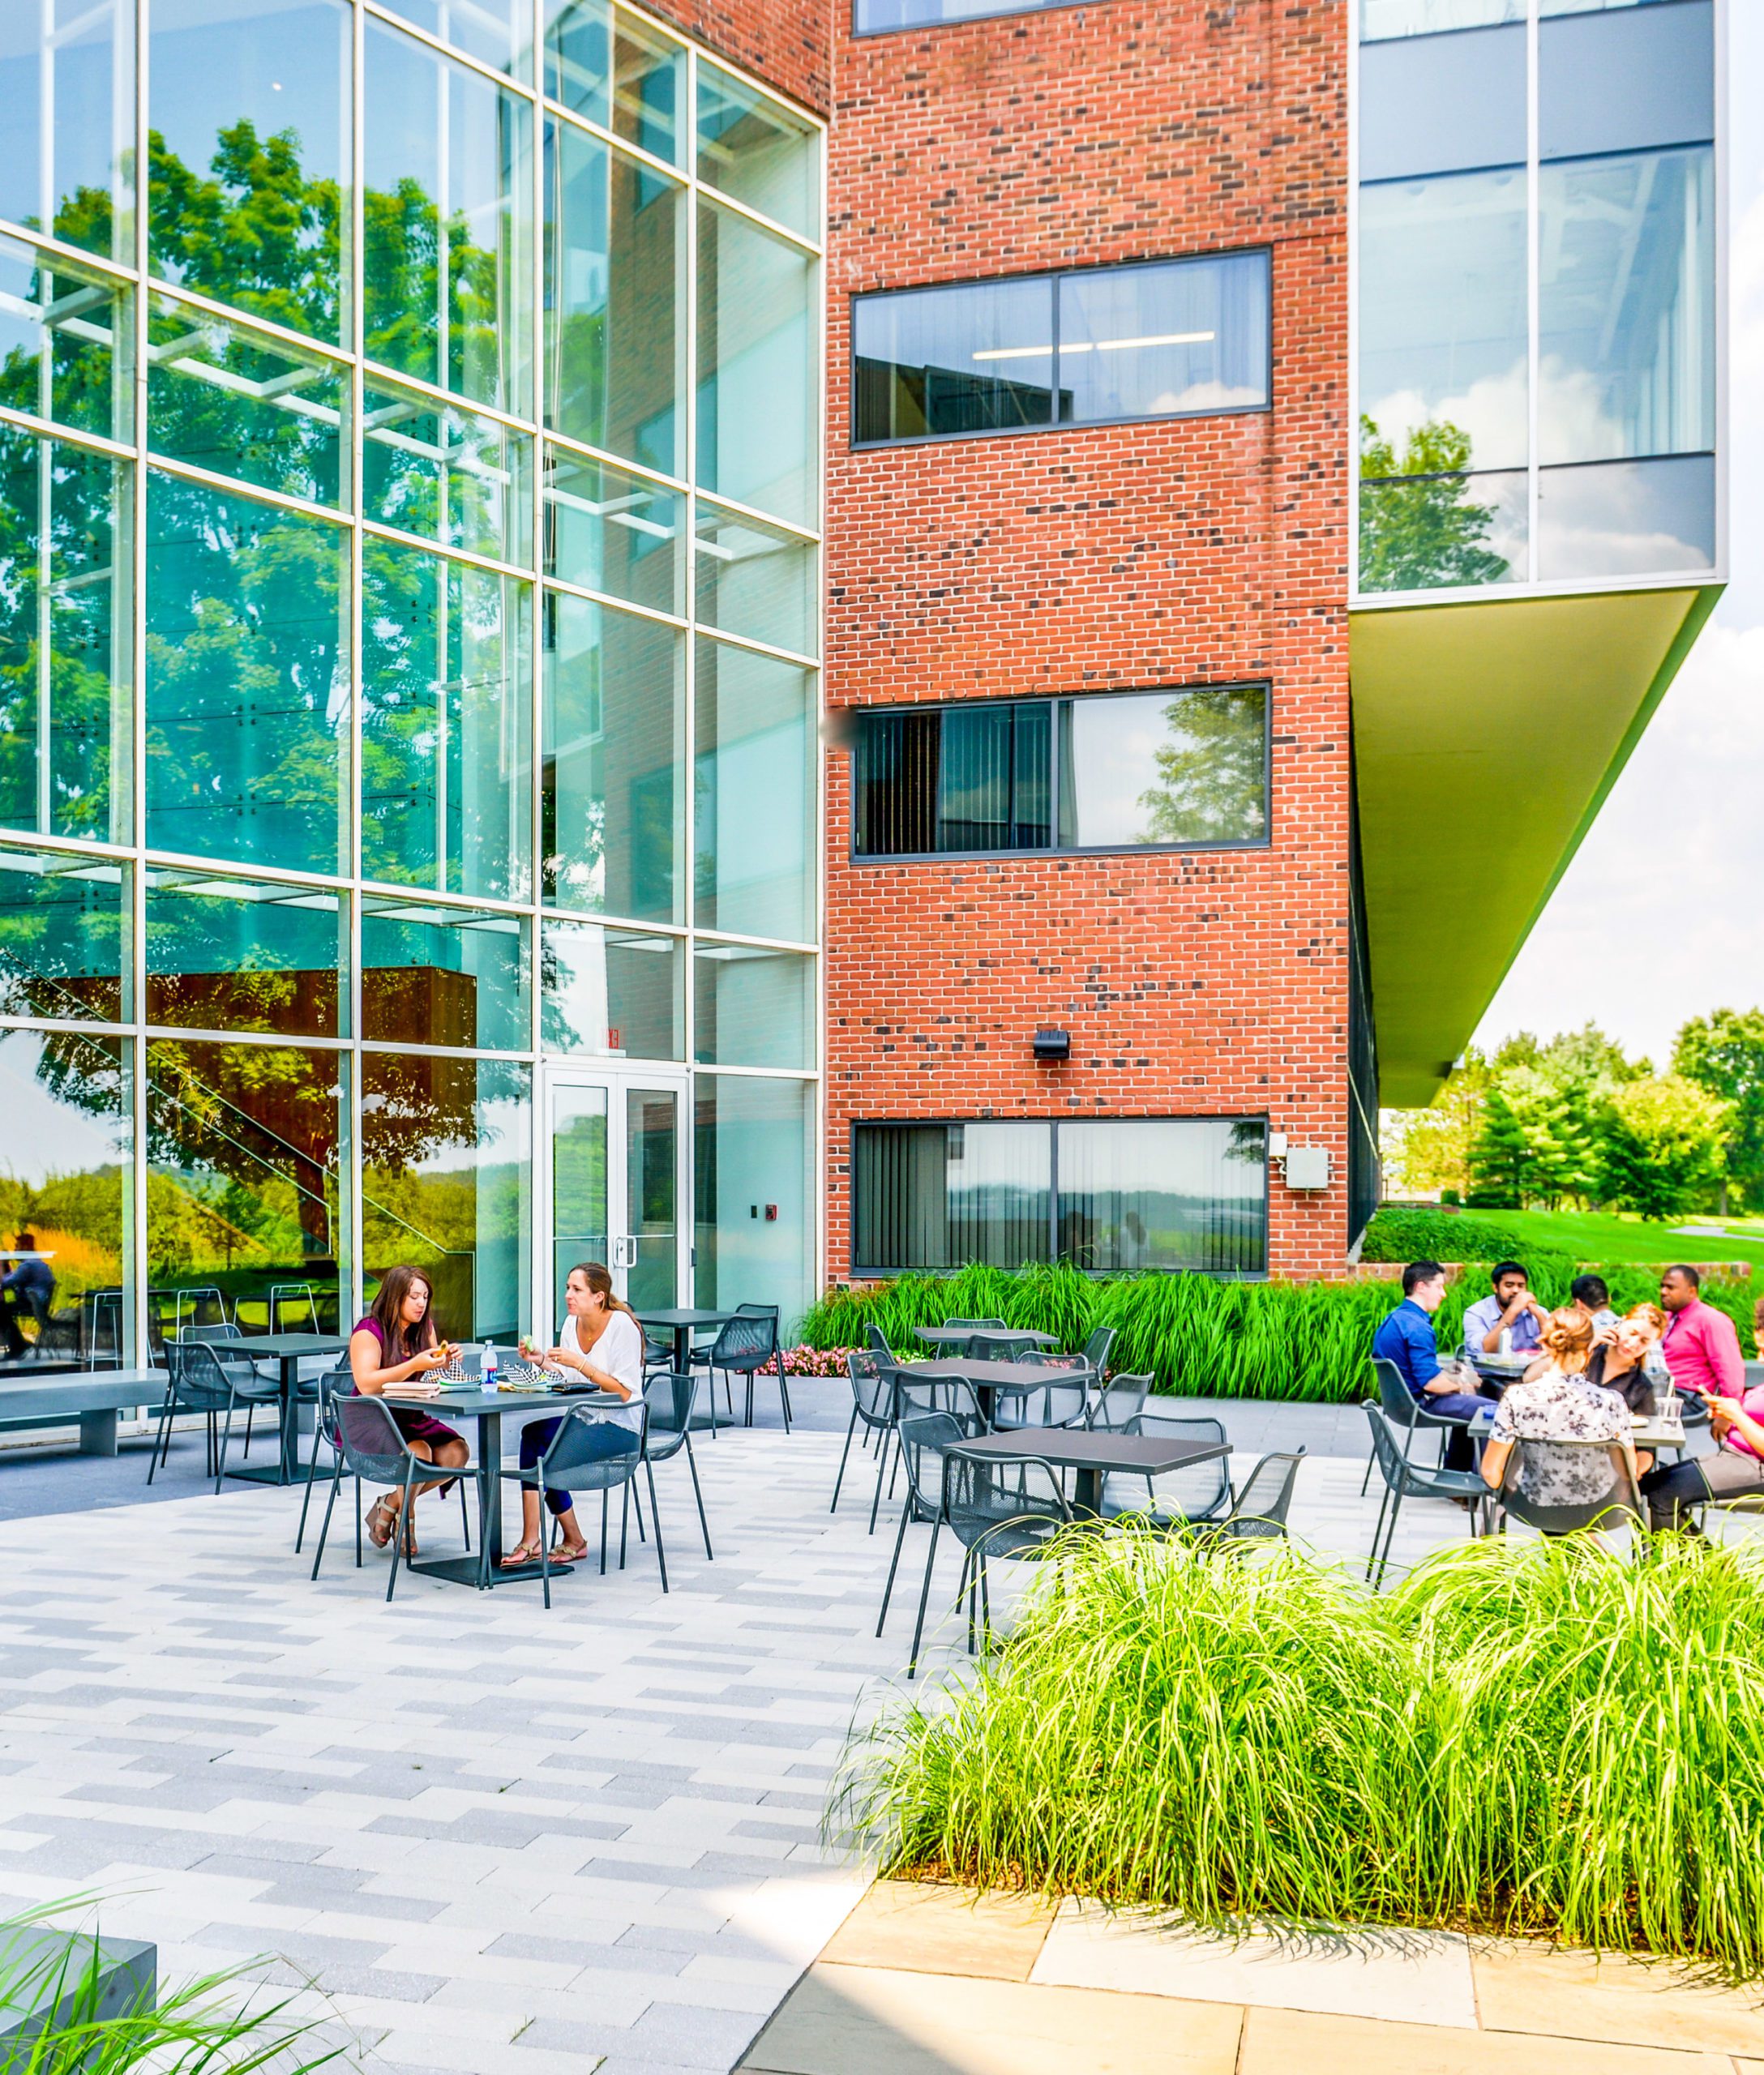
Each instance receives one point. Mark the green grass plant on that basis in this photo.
(1199, 1337)
(1585, 1235)
(1522, 1738)
(222, 2024)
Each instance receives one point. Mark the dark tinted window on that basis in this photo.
(1110, 1194)
(1109, 771)
(1177, 338)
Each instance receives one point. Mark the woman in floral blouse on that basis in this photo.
(1559, 1403)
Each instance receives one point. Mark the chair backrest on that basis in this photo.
(1012, 1505)
(367, 1435)
(872, 1386)
(1119, 1403)
(1259, 1511)
(953, 1397)
(199, 1377)
(1045, 1403)
(1096, 1351)
(212, 1334)
(572, 1456)
(667, 1399)
(749, 1341)
(1394, 1393)
(1002, 1346)
(878, 1346)
(972, 1325)
(1561, 1487)
(1194, 1490)
(1387, 1448)
(926, 1440)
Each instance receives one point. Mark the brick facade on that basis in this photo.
(1191, 551)
(786, 43)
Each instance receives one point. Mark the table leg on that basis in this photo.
(288, 1419)
(1087, 1495)
(490, 1491)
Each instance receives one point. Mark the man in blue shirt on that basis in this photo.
(1407, 1338)
(26, 1287)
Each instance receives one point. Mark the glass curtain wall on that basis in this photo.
(1537, 292)
(410, 422)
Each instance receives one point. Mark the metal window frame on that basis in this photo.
(126, 268)
(858, 1272)
(866, 859)
(1054, 276)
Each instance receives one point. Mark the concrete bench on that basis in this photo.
(93, 1399)
(56, 1976)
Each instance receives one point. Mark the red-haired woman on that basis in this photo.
(397, 1341)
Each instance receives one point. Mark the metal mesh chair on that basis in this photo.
(1118, 1404)
(747, 1344)
(364, 1437)
(1404, 1479)
(1060, 1397)
(872, 1401)
(1019, 1525)
(230, 1343)
(1259, 1510)
(198, 1380)
(1405, 1411)
(1602, 1471)
(1198, 1492)
(922, 1438)
(1001, 1346)
(571, 1458)
(668, 1429)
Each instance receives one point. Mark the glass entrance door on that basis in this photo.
(615, 1187)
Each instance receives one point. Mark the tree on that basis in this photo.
(1665, 1144)
(1419, 526)
(1537, 1142)
(1209, 770)
(1723, 1054)
(1432, 1148)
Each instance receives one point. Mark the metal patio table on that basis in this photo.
(287, 1350)
(990, 1378)
(1094, 1456)
(1651, 1433)
(489, 1408)
(962, 1337)
(682, 1324)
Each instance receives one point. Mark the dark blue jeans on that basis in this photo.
(603, 1438)
(1460, 1453)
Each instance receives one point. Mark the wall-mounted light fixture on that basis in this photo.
(1053, 1048)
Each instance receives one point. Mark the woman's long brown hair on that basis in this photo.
(599, 1278)
(387, 1312)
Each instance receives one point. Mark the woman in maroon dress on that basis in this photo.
(397, 1341)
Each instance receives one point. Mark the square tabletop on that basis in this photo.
(1148, 1455)
(280, 1345)
(1013, 1375)
(684, 1320)
(472, 1400)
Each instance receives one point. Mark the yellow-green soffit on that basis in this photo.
(1486, 735)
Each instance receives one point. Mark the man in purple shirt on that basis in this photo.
(1701, 1347)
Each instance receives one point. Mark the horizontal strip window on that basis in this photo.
(1175, 338)
(878, 17)
(1112, 770)
(1109, 1195)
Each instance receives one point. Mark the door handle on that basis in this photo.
(624, 1253)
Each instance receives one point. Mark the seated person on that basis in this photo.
(397, 1341)
(1511, 1309)
(26, 1290)
(1560, 1403)
(1652, 1321)
(602, 1342)
(1590, 1296)
(1448, 1390)
(1701, 1346)
(1619, 1363)
(1673, 1491)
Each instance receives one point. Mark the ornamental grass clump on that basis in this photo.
(1522, 1737)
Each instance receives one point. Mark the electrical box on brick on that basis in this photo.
(1308, 1166)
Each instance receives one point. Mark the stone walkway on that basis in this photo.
(496, 1840)
(937, 1981)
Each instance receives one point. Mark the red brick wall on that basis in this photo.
(1194, 550)
(786, 43)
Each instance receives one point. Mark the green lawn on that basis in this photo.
(1610, 1236)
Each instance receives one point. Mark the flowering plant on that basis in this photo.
(816, 1361)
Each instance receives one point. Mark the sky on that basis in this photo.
(1660, 916)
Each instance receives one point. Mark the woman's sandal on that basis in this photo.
(569, 1552)
(382, 1516)
(522, 1553)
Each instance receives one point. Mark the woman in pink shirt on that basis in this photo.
(1736, 1470)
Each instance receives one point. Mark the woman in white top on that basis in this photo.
(602, 1341)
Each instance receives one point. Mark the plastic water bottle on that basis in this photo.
(489, 1365)
(1506, 1340)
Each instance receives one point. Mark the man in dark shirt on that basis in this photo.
(25, 1289)
(1408, 1339)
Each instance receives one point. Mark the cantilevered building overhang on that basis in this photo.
(1539, 400)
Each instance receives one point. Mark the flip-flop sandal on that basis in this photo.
(569, 1553)
(522, 1553)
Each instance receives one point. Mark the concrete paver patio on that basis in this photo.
(493, 1839)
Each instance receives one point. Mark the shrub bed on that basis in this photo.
(1443, 1236)
(1197, 1337)
(1518, 1738)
